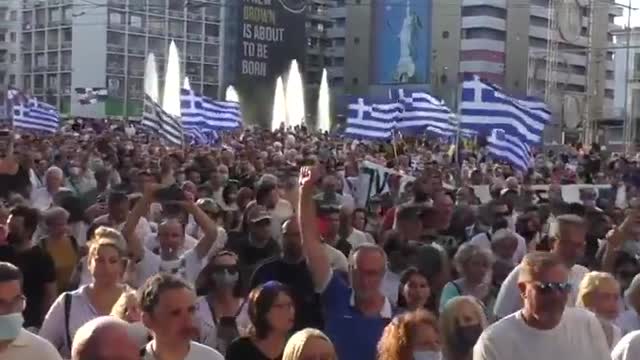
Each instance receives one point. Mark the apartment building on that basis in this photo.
(103, 43)
(627, 76)
(10, 66)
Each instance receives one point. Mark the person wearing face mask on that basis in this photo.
(36, 265)
(411, 336)
(221, 303)
(461, 323)
(16, 343)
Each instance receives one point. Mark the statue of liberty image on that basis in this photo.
(406, 67)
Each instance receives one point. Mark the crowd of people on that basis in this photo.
(116, 247)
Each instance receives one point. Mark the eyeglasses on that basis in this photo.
(546, 288)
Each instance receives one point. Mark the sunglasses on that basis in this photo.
(546, 288)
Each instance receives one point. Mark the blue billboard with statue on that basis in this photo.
(401, 42)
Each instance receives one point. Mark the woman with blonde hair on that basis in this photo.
(461, 323)
(107, 261)
(309, 344)
(413, 335)
(599, 292)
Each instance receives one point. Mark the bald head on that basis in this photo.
(104, 338)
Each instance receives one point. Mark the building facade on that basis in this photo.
(628, 81)
(10, 64)
(68, 44)
(510, 43)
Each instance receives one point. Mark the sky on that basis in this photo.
(635, 16)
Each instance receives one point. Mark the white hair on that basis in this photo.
(55, 213)
(54, 171)
(84, 346)
(503, 235)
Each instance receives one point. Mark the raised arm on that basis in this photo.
(136, 245)
(317, 259)
(208, 226)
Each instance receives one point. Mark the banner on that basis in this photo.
(270, 35)
(374, 181)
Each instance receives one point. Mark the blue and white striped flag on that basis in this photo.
(35, 115)
(485, 107)
(166, 126)
(204, 113)
(509, 148)
(372, 121)
(422, 111)
(198, 137)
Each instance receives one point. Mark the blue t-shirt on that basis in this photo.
(354, 335)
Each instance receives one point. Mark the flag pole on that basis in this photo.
(393, 143)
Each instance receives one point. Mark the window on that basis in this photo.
(13, 58)
(13, 15)
(12, 79)
(636, 63)
(12, 36)
(135, 21)
(115, 18)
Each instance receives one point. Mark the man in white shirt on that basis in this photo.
(544, 328)
(628, 348)
(42, 198)
(168, 309)
(104, 338)
(568, 236)
(16, 342)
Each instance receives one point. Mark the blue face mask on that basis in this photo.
(427, 355)
(10, 326)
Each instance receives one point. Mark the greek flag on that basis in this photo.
(510, 149)
(203, 113)
(161, 123)
(197, 137)
(485, 107)
(464, 133)
(34, 115)
(372, 121)
(422, 111)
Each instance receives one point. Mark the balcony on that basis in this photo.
(176, 34)
(115, 48)
(117, 26)
(115, 70)
(52, 67)
(176, 14)
(196, 58)
(65, 45)
(156, 10)
(154, 31)
(39, 47)
(212, 19)
(194, 37)
(137, 51)
(211, 59)
(136, 72)
(65, 67)
(38, 90)
(117, 3)
(210, 79)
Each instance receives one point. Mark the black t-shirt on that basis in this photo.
(298, 278)
(17, 183)
(37, 270)
(250, 256)
(243, 348)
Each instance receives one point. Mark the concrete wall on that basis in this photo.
(88, 57)
(517, 46)
(445, 53)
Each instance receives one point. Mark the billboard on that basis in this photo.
(401, 42)
(271, 35)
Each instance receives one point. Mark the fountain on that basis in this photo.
(324, 104)
(295, 96)
(186, 84)
(279, 114)
(172, 83)
(151, 78)
(231, 94)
